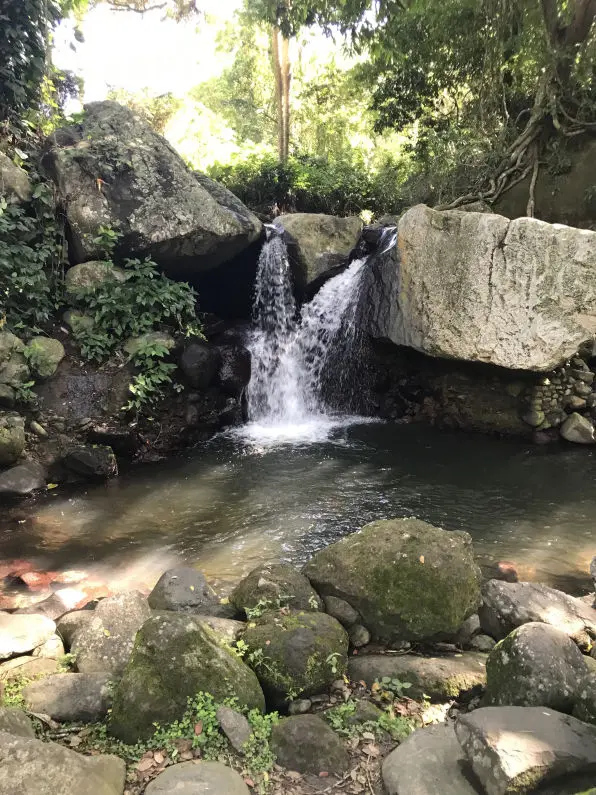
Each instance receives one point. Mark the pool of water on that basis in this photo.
(238, 501)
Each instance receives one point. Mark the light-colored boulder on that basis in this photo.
(12, 437)
(462, 285)
(92, 274)
(516, 749)
(146, 191)
(578, 429)
(316, 243)
(198, 778)
(20, 634)
(14, 182)
(9, 344)
(71, 697)
(28, 667)
(44, 355)
(15, 721)
(32, 767)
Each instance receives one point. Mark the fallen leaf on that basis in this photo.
(159, 757)
(371, 750)
(144, 765)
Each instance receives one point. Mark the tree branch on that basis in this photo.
(550, 13)
(579, 28)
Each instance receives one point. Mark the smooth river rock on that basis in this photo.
(479, 287)
(198, 778)
(20, 634)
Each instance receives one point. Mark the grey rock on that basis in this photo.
(235, 726)
(182, 589)
(161, 208)
(517, 749)
(429, 762)
(14, 182)
(21, 480)
(104, 643)
(12, 437)
(440, 678)
(359, 636)
(483, 643)
(477, 268)
(27, 667)
(578, 429)
(275, 585)
(305, 743)
(535, 666)
(584, 706)
(44, 354)
(33, 767)
(70, 623)
(235, 369)
(92, 462)
(71, 697)
(506, 606)
(53, 607)
(300, 706)
(365, 712)
(468, 629)
(7, 396)
(9, 345)
(198, 778)
(91, 274)
(341, 610)
(51, 649)
(21, 634)
(200, 363)
(15, 721)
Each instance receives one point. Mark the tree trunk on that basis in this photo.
(286, 78)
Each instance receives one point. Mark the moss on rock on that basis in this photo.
(274, 586)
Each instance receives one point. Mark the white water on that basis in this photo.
(292, 355)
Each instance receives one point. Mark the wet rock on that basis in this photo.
(506, 606)
(578, 429)
(440, 678)
(272, 586)
(104, 643)
(536, 666)
(429, 762)
(21, 634)
(407, 579)
(92, 274)
(14, 182)
(506, 571)
(27, 667)
(341, 610)
(69, 697)
(33, 767)
(15, 721)
(235, 726)
(305, 743)
(517, 749)
(12, 437)
(234, 370)
(584, 707)
(198, 778)
(183, 589)
(174, 658)
(302, 653)
(21, 480)
(200, 363)
(92, 462)
(44, 354)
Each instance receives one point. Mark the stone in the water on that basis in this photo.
(20, 634)
(104, 643)
(182, 589)
(305, 743)
(506, 606)
(429, 762)
(15, 721)
(198, 778)
(298, 654)
(71, 697)
(275, 585)
(407, 579)
(578, 429)
(516, 749)
(584, 707)
(440, 678)
(33, 767)
(535, 666)
(235, 726)
(174, 658)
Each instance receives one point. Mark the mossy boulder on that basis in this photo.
(9, 344)
(133, 345)
(407, 579)
(175, 657)
(91, 274)
(585, 698)
(305, 743)
(535, 666)
(274, 586)
(296, 654)
(44, 355)
(12, 437)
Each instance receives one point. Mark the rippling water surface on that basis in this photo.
(239, 501)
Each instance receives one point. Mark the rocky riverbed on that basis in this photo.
(387, 665)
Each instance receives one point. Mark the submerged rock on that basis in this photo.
(305, 743)
(535, 666)
(275, 585)
(516, 749)
(174, 658)
(297, 654)
(407, 579)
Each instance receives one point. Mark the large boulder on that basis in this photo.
(12, 437)
(407, 579)
(198, 778)
(14, 182)
(516, 749)
(296, 653)
(183, 589)
(274, 585)
(175, 657)
(15, 721)
(480, 287)
(44, 355)
(117, 172)
(305, 743)
(536, 666)
(200, 363)
(584, 707)
(71, 697)
(92, 274)
(317, 243)
(20, 634)
(21, 480)
(33, 767)
(104, 642)
(507, 605)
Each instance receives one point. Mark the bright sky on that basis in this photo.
(134, 51)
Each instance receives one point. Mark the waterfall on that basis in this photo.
(303, 363)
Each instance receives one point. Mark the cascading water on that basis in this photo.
(302, 365)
